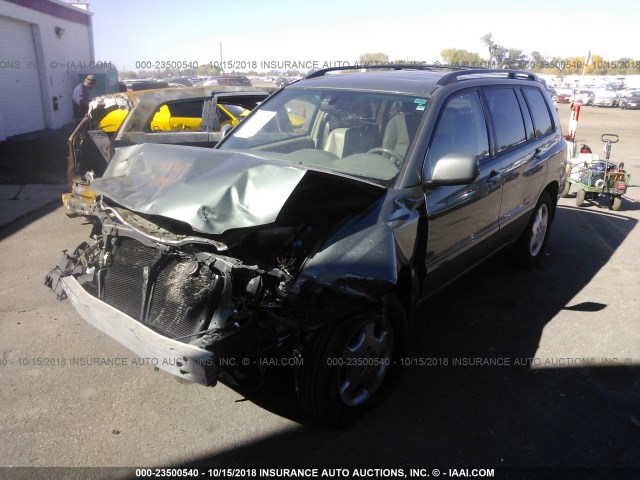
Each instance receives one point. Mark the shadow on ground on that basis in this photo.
(450, 416)
(35, 158)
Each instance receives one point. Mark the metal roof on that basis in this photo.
(416, 82)
(405, 80)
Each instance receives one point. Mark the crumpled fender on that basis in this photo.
(364, 258)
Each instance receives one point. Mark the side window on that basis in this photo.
(507, 117)
(539, 111)
(461, 129)
(177, 116)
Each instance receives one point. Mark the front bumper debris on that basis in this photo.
(183, 360)
(79, 201)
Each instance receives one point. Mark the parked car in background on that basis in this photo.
(225, 80)
(630, 100)
(141, 84)
(181, 116)
(584, 97)
(563, 96)
(313, 242)
(606, 98)
(184, 81)
(282, 82)
(232, 80)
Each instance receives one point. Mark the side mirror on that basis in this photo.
(454, 169)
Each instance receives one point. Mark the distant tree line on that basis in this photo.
(499, 57)
(504, 57)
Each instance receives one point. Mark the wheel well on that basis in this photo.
(405, 289)
(553, 188)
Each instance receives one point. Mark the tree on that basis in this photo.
(538, 60)
(487, 39)
(128, 74)
(497, 53)
(554, 66)
(627, 66)
(456, 56)
(597, 67)
(514, 58)
(373, 58)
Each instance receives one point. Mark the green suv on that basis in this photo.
(307, 244)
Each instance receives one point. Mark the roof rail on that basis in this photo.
(487, 72)
(388, 66)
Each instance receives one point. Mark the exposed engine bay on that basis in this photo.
(238, 292)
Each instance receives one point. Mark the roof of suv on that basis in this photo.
(407, 81)
(418, 82)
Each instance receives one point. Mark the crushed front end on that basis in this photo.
(207, 303)
(174, 298)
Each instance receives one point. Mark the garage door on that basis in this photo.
(20, 95)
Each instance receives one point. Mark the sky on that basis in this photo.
(252, 32)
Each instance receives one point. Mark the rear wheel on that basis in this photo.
(580, 196)
(347, 366)
(530, 246)
(566, 189)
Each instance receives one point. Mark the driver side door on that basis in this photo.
(462, 219)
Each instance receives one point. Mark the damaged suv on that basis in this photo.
(314, 240)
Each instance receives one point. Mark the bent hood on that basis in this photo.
(211, 190)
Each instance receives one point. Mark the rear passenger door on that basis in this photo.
(462, 218)
(521, 153)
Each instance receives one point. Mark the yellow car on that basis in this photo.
(168, 118)
(173, 118)
(111, 123)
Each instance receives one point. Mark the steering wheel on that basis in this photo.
(397, 158)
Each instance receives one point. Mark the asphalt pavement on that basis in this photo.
(563, 390)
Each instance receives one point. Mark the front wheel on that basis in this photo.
(531, 244)
(566, 189)
(580, 197)
(347, 366)
(616, 204)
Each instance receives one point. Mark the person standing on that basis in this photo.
(81, 96)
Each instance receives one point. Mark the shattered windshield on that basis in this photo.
(362, 134)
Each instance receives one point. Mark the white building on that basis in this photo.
(44, 46)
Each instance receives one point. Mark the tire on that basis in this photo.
(580, 196)
(530, 246)
(335, 394)
(617, 203)
(566, 189)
